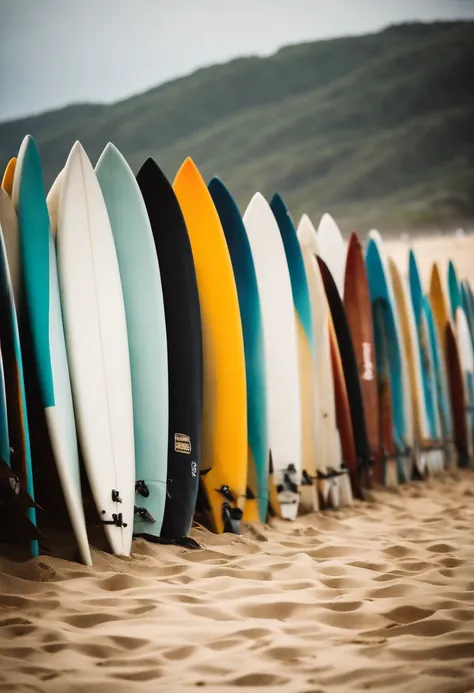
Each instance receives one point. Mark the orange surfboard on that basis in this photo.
(7, 180)
(224, 425)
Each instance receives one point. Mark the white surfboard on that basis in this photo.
(52, 200)
(411, 357)
(281, 351)
(467, 364)
(333, 249)
(329, 455)
(97, 346)
(9, 223)
(145, 313)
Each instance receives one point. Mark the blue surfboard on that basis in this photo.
(252, 326)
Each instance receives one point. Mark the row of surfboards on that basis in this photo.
(198, 358)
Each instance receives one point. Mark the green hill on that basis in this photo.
(377, 129)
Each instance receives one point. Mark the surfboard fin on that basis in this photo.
(231, 518)
(226, 492)
(117, 520)
(142, 488)
(116, 496)
(185, 542)
(144, 514)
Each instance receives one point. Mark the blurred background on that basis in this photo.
(357, 107)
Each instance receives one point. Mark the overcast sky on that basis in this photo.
(54, 52)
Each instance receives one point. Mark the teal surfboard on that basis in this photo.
(294, 257)
(146, 328)
(19, 435)
(306, 344)
(41, 291)
(380, 291)
(4, 435)
(252, 327)
(453, 290)
(424, 347)
(467, 306)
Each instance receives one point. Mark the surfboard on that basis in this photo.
(281, 352)
(40, 281)
(224, 428)
(458, 396)
(146, 330)
(328, 449)
(97, 346)
(439, 305)
(467, 307)
(19, 437)
(256, 505)
(4, 435)
(358, 309)
(413, 359)
(381, 288)
(389, 457)
(8, 175)
(444, 405)
(184, 348)
(359, 462)
(306, 349)
(9, 222)
(470, 300)
(343, 411)
(333, 249)
(467, 366)
(52, 201)
(437, 456)
(453, 290)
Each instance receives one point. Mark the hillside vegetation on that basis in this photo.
(377, 129)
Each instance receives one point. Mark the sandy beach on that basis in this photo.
(378, 596)
(375, 597)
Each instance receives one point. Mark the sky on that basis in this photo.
(57, 52)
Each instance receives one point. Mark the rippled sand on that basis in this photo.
(375, 597)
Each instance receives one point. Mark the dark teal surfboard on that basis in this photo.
(453, 290)
(4, 435)
(424, 346)
(252, 327)
(15, 387)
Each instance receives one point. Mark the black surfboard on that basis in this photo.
(183, 329)
(351, 376)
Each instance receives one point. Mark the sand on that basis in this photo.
(378, 596)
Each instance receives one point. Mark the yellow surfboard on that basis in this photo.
(439, 305)
(224, 425)
(7, 180)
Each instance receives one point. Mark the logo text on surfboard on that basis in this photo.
(368, 373)
(182, 443)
